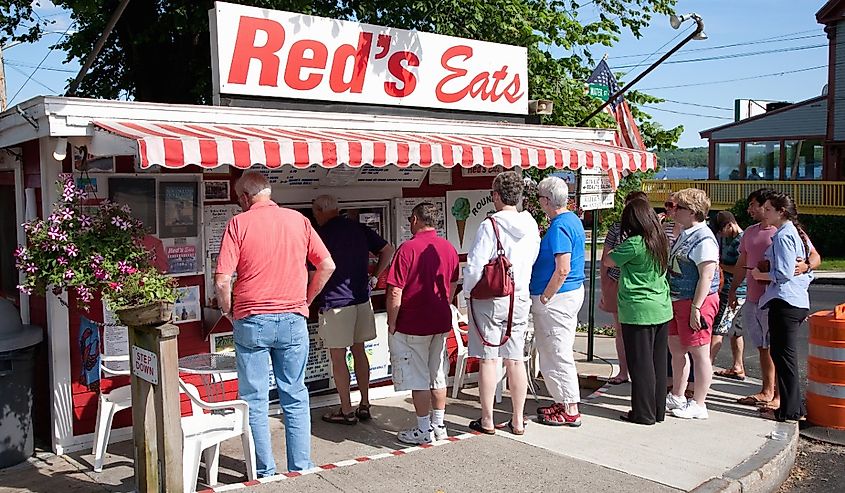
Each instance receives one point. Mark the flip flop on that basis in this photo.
(510, 428)
(617, 381)
(338, 418)
(731, 373)
(751, 401)
(475, 425)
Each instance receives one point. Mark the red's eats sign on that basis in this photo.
(279, 54)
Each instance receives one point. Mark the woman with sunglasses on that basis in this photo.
(644, 308)
(667, 218)
(694, 286)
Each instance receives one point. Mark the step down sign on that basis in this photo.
(145, 365)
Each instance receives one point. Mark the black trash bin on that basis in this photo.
(18, 343)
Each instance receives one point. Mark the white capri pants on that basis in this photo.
(554, 335)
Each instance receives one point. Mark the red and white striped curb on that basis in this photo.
(336, 465)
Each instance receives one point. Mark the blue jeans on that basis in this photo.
(280, 339)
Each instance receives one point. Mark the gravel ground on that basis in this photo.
(818, 468)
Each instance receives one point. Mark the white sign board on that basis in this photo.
(403, 208)
(270, 53)
(145, 365)
(594, 201)
(465, 209)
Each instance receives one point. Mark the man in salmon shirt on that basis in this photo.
(421, 283)
(755, 320)
(268, 247)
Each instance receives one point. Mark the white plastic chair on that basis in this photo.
(117, 399)
(461, 363)
(202, 433)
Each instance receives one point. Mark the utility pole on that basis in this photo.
(2, 82)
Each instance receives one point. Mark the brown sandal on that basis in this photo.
(510, 428)
(363, 412)
(337, 417)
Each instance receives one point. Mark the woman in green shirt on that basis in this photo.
(644, 309)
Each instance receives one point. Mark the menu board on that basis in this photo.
(294, 177)
(216, 217)
(412, 176)
(402, 211)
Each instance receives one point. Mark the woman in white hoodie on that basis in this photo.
(520, 238)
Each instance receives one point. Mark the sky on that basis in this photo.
(786, 29)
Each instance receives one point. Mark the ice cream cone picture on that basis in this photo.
(460, 211)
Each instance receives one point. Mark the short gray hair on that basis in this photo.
(555, 189)
(509, 186)
(253, 183)
(325, 203)
(426, 213)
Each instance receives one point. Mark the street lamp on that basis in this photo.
(675, 21)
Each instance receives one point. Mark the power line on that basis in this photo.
(11, 66)
(31, 65)
(680, 32)
(698, 104)
(40, 63)
(732, 45)
(775, 74)
(736, 55)
(686, 114)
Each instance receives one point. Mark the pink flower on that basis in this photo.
(85, 221)
(116, 286)
(68, 274)
(72, 250)
(100, 274)
(24, 289)
(61, 261)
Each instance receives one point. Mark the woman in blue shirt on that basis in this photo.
(557, 293)
(786, 298)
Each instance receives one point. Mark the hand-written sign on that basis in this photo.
(145, 365)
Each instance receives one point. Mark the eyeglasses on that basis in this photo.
(669, 205)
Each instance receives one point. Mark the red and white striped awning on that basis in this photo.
(174, 145)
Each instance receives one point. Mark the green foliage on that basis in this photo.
(627, 185)
(693, 157)
(143, 287)
(740, 212)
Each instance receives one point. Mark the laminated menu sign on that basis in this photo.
(318, 366)
(115, 340)
(403, 208)
(216, 218)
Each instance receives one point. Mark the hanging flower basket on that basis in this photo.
(155, 313)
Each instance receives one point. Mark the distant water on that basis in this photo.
(681, 174)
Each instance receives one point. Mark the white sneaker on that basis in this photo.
(673, 402)
(692, 411)
(415, 436)
(439, 432)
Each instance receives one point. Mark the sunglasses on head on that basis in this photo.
(683, 207)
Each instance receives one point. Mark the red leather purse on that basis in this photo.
(496, 282)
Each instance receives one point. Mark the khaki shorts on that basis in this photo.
(343, 327)
(419, 362)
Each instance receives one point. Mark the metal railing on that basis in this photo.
(811, 197)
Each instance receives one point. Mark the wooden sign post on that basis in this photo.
(156, 415)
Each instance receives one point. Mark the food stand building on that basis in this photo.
(176, 166)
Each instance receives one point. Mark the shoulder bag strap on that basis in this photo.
(499, 251)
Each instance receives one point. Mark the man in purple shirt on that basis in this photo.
(346, 314)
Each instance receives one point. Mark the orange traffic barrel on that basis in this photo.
(826, 369)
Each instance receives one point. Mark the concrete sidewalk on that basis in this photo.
(730, 449)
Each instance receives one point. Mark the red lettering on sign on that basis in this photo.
(360, 58)
(245, 51)
(478, 87)
(384, 45)
(298, 61)
(405, 76)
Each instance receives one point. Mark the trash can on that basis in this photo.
(18, 343)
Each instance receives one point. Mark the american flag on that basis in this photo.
(627, 133)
